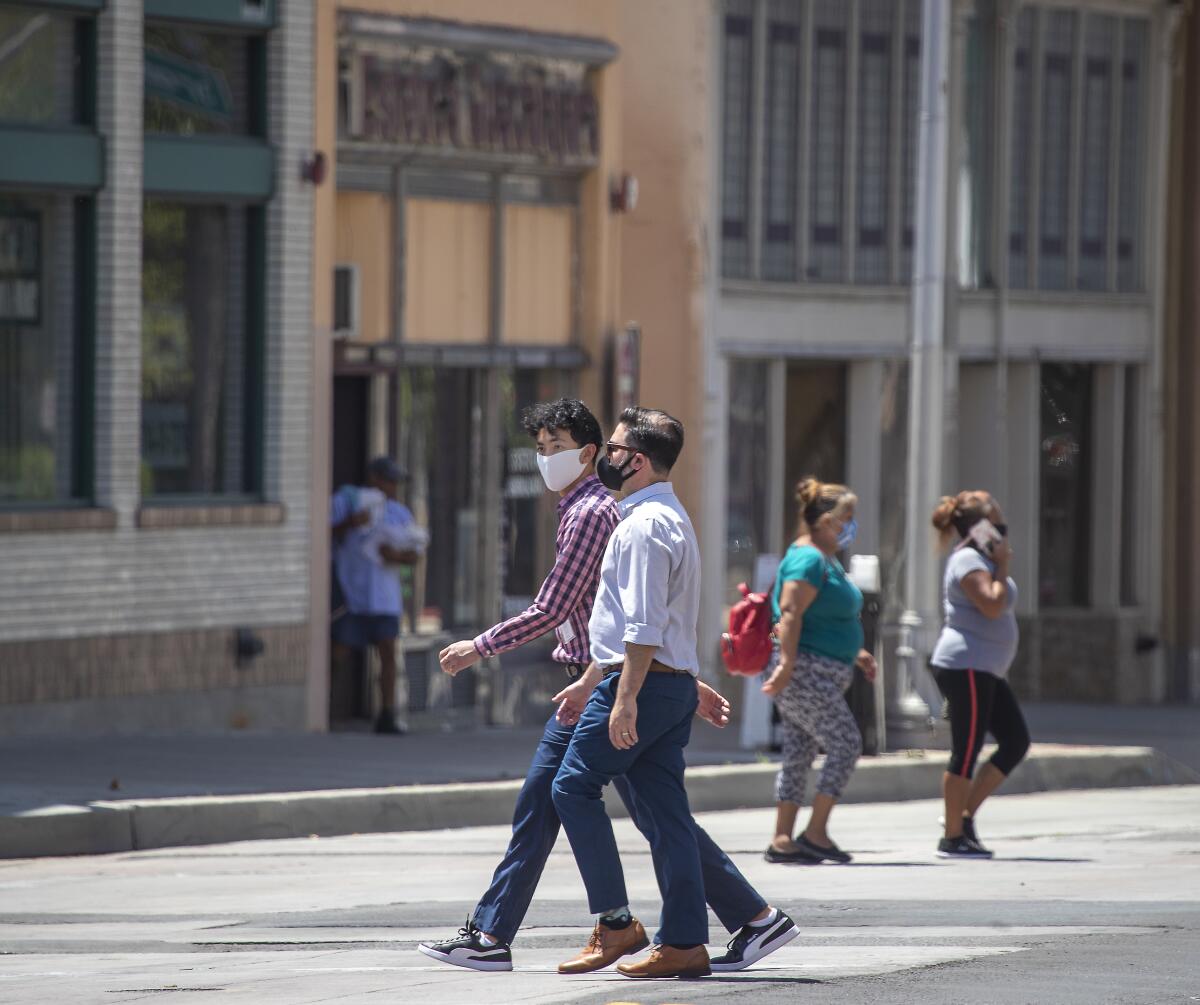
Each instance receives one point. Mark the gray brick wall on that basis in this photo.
(116, 666)
(85, 584)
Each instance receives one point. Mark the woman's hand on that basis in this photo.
(779, 679)
(866, 663)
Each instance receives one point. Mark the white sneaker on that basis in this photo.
(751, 944)
(468, 950)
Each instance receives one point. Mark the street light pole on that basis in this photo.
(907, 715)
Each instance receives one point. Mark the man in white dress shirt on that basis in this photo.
(638, 718)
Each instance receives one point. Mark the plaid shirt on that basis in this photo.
(587, 517)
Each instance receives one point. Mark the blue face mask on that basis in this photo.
(848, 534)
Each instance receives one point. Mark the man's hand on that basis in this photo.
(456, 657)
(396, 556)
(866, 663)
(713, 707)
(571, 701)
(622, 724)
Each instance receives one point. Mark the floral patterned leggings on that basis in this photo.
(814, 713)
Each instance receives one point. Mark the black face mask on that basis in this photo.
(611, 476)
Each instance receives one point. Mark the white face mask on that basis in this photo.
(561, 469)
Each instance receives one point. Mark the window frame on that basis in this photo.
(237, 171)
(67, 159)
(898, 196)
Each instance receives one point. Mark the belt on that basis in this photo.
(655, 667)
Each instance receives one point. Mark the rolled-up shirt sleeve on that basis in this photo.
(647, 559)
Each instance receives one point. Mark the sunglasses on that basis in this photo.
(612, 447)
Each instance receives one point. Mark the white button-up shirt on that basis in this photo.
(649, 583)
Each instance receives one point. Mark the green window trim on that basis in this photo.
(232, 13)
(85, 83)
(84, 466)
(255, 387)
(226, 167)
(51, 158)
(84, 5)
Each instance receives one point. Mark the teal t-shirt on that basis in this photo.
(832, 624)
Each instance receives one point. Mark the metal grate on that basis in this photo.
(1022, 143)
(1099, 40)
(911, 131)
(736, 132)
(873, 263)
(782, 127)
(1132, 153)
(828, 157)
(1057, 88)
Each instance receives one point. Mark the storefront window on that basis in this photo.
(195, 357)
(529, 522)
(39, 66)
(747, 536)
(439, 442)
(815, 442)
(1065, 518)
(199, 82)
(38, 348)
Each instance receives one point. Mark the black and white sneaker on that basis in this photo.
(469, 951)
(751, 944)
(960, 847)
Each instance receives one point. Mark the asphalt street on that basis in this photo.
(1093, 897)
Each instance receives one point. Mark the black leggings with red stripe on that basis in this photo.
(982, 703)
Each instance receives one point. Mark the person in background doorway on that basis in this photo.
(817, 609)
(973, 653)
(373, 535)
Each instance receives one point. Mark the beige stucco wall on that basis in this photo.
(364, 239)
(537, 279)
(647, 266)
(448, 279)
(599, 307)
(665, 253)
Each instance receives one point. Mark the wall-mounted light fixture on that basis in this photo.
(623, 194)
(313, 169)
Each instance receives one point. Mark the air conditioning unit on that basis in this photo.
(345, 301)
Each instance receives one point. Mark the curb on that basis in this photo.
(132, 825)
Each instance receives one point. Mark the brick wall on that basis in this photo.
(115, 666)
(124, 579)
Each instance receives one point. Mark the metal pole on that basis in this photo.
(907, 715)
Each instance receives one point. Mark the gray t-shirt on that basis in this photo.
(970, 640)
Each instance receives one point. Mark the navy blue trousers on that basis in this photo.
(535, 829)
(654, 768)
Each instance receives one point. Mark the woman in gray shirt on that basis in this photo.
(970, 662)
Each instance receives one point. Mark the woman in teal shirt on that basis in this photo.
(819, 630)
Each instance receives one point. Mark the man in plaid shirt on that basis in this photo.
(569, 444)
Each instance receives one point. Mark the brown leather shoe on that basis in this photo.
(607, 945)
(664, 961)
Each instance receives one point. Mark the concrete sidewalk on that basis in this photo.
(63, 796)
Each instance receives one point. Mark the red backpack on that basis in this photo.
(746, 647)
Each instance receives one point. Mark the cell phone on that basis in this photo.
(984, 536)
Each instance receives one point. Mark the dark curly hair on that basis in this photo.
(569, 415)
(654, 433)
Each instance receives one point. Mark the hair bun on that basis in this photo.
(943, 513)
(808, 490)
